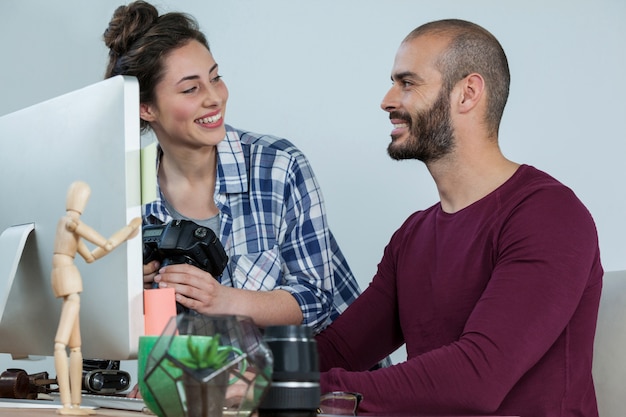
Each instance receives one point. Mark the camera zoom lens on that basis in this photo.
(96, 382)
(295, 388)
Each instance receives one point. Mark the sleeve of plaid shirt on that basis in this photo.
(305, 244)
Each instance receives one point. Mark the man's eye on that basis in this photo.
(402, 83)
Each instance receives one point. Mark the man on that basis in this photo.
(494, 289)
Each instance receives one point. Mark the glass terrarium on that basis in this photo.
(205, 366)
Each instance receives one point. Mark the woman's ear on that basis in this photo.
(472, 92)
(146, 112)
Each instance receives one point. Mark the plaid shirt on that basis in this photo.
(273, 226)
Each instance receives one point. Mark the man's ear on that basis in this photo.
(146, 113)
(472, 92)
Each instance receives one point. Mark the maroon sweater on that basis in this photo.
(497, 305)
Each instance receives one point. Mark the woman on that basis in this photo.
(257, 192)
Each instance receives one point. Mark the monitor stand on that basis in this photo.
(12, 242)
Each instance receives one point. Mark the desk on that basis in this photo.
(42, 412)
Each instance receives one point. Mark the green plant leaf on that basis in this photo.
(206, 352)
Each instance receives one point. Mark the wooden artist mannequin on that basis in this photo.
(67, 283)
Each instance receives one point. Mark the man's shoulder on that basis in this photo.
(536, 198)
(532, 175)
(534, 182)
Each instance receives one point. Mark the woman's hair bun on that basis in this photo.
(128, 24)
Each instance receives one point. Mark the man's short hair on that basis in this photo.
(472, 49)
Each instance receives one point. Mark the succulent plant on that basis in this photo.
(206, 353)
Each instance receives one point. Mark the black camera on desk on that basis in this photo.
(184, 242)
(103, 376)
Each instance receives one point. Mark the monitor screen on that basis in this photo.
(92, 135)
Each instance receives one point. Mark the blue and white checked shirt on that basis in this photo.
(274, 227)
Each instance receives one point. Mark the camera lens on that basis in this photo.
(295, 387)
(105, 381)
(14, 383)
(96, 382)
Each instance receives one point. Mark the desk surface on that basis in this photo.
(43, 412)
(6, 410)
(37, 412)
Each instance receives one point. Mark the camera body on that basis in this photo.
(183, 241)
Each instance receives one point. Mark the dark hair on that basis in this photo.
(472, 49)
(139, 40)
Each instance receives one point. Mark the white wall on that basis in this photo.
(315, 72)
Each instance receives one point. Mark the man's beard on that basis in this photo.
(430, 136)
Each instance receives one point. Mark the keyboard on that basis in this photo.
(115, 402)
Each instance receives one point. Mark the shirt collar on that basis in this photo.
(232, 175)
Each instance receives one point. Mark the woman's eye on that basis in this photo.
(190, 90)
(216, 79)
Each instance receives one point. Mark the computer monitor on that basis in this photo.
(91, 134)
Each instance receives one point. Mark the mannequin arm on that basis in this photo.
(127, 232)
(87, 233)
(84, 251)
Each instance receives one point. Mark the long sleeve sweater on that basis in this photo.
(497, 305)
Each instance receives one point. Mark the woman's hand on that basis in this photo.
(150, 270)
(195, 289)
(198, 290)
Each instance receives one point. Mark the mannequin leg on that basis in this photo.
(69, 376)
(76, 366)
(69, 312)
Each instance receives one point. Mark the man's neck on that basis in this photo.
(463, 181)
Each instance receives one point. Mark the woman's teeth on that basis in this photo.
(210, 119)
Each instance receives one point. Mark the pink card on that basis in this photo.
(159, 307)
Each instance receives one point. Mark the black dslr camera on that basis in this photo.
(184, 242)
